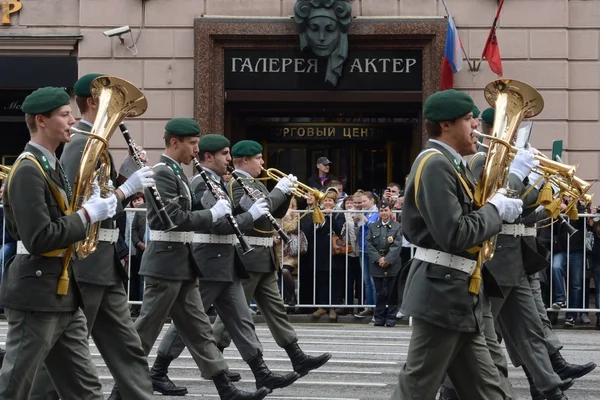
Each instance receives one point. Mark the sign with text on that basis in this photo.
(317, 131)
(390, 70)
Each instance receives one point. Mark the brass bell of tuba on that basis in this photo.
(117, 99)
(513, 101)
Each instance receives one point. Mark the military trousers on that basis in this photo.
(263, 288)
(228, 299)
(110, 325)
(521, 326)
(435, 351)
(496, 352)
(59, 340)
(552, 340)
(182, 300)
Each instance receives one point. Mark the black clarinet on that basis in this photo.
(154, 200)
(218, 194)
(256, 195)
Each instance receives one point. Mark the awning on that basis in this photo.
(31, 72)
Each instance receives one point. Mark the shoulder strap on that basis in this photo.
(55, 192)
(426, 157)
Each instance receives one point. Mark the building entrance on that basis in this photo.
(369, 145)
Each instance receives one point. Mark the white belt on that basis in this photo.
(446, 259)
(260, 241)
(191, 237)
(22, 250)
(108, 235)
(181, 237)
(214, 239)
(517, 230)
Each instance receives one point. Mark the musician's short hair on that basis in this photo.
(168, 138)
(30, 121)
(433, 128)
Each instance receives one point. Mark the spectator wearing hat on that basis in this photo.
(322, 175)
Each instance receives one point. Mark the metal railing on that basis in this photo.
(572, 278)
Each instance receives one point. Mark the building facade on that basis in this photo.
(224, 63)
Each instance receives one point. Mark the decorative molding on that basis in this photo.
(39, 44)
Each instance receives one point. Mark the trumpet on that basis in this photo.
(301, 191)
(4, 171)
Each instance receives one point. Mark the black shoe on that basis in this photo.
(161, 382)
(265, 377)
(114, 394)
(233, 376)
(303, 363)
(555, 394)
(227, 391)
(448, 394)
(566, 370)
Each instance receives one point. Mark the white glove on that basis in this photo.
(99, 209)
(220, 209)
(533, 178)
(294, 181)
(284, 185)
(137, 182)
(523, 163)
(259, 208)
(509, 209)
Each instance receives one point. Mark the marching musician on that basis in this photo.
(46, 325)
(101, 274)
(220, 272)
(260, 264)
(171, 274)
(443, 289)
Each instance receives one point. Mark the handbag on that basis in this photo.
(298, 244)
(339, 245)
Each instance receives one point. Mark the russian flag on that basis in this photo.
(453, 61)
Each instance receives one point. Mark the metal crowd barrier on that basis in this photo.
(590, 272)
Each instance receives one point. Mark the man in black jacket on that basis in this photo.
(322, 176)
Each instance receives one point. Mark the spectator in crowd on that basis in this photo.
(594, 257)
(339, 187)
(371, 215)
(138, 230)
(322, 175)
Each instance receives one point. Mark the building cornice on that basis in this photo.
(39, 44)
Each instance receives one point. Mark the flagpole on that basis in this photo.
(471, 68)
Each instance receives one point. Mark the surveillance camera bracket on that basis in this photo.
(133, 48)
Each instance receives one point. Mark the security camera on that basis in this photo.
(117, 31)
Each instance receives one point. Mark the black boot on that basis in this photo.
(448, 394)
(264, 376)
(535, 394)
(303, 363)
(227, 391)
(233, 376)
(566, 370)
(114, 394)
(2, 354)
(555, 394)
(161, 382)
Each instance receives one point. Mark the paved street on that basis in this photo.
(364, 366)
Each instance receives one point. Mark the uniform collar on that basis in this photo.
(459, 162)
(213, 175)
(86, 122)
(244, 173)
(48, 158)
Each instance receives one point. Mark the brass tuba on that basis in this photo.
(513, 101)
(4, 171)
(117, 99)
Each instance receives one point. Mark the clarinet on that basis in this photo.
(218, 194)
(255, 195)
(154, 200)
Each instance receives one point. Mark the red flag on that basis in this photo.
(491, 51)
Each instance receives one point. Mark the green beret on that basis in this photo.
(246, 148)
(213, 142)
(488, 116)
(447, 105)
(183, 127)
(476, 112)
(45, 100)
(82, 86)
